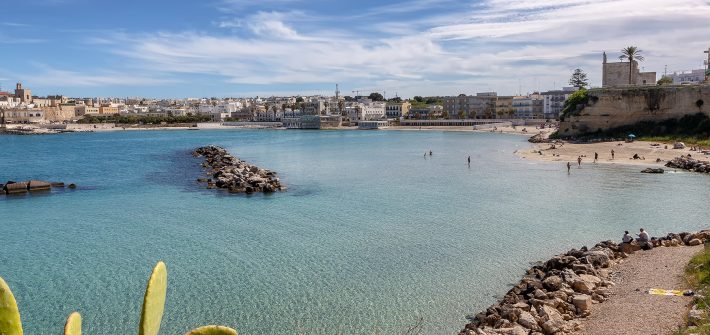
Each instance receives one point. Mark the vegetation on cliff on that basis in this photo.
(572, 104)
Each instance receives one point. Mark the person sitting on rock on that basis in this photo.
(643, 236)
(627, 237)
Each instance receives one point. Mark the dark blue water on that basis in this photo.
(370, 235)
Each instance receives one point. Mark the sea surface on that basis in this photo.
(371, 236)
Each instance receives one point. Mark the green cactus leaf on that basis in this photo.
(154, 301)
(10, 323)
(213, 330)
(73, 325)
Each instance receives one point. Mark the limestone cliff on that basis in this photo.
(609, 108)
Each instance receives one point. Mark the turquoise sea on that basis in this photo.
(370, 236)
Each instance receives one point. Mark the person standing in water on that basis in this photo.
(469, 160)
(579, 160)
(429, 152)
(568, 167)
(596, 156)
(612, 154)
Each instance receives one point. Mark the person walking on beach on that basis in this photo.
(579, 160)
(568, 167)
(596, 156)
(612, 154)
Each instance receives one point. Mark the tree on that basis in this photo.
(579, 79)
(374, 96)
(631, 53)
(418, 99)
(395, 99)
(299, 99)
(665, 80)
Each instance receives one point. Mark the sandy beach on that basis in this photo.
(651, 153)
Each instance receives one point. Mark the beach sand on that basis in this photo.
(623, 152)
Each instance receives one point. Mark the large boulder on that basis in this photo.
(552, 319)
(583, 302)
(552, 283)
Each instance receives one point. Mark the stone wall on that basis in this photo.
(614, 107)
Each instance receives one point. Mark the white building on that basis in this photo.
(688, 77)
(554, 101)
(523, 106)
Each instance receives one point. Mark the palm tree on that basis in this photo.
(631, 53)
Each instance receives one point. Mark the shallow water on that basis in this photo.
(370, 235)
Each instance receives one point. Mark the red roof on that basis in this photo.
(4, 94)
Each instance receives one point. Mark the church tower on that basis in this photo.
(24, 94)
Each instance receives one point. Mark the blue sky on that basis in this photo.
(282, 47)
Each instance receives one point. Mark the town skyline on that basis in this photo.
(232, 48)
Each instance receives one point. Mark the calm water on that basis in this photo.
(370, 235)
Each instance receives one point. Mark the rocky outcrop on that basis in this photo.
(539, 138)
(652, 170)
(12, 187)
(554, 295)
(690, 164)
(230, 173)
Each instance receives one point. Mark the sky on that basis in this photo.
(240, 48)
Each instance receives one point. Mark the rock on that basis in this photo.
(591, 279)
(695, 316)
(694, 242)
(652, 170)
(552, 283)
(583, 302)
(38, 185)
(72, 186)
(597, 258)
(15, 188)
(528, 321)
(552, 319)
(583, 286)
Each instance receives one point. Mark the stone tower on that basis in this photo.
(24, 94)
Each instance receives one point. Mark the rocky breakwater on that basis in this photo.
(690, 164)
(230, 173)
(21, 187)
(553, 296)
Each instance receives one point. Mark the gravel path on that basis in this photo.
(630, 310)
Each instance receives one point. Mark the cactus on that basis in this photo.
(154, 301)
(73, 325)
(213, 330)
(151, 315)
(10, 323)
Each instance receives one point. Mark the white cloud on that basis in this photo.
(495, 45)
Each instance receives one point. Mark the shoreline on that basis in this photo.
(581, 289)
(656, 154)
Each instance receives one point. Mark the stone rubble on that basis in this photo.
(690, 164)
(228, 172)
(554, 295)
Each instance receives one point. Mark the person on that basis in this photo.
(627, 238)
(579, 160)
(429, 152)
(425, 154)
(469, 160)
(643, 236)
(612, 154)
(596, 156)
(568, 167)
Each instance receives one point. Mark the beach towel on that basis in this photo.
(660, 291)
